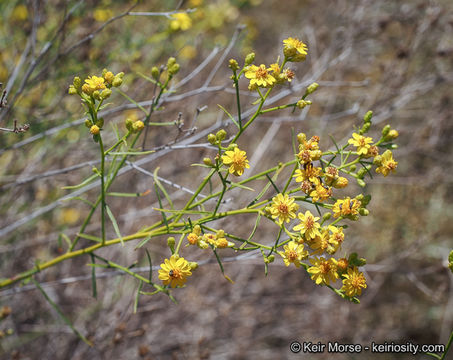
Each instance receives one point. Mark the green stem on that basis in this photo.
(101, 146)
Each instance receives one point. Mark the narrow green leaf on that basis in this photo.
(115, 224)
(147, 78)
(219, 261)
(93, 277)
(161, 187)
(229, 115)
(273, 185)
(132, 153)
(82, 184)
(133, 102)
(140, 285)
(89, 237)
(60, 313)
(233, 184)
(164, 218)
(119, 194)
(150, 266)
(143, 242)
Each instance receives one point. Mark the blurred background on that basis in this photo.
(393, 57)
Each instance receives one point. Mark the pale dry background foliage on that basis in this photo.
(394, 57)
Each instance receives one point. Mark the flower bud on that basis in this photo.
(385, 130)
(202, 244)
(137, 126)
(171, 61)
(361, 173)
(88, 123)
(72, 90)
(340, 183)
(108, 76)
(100, 122)
(269, 259)
(312, 88)
(173, 69)
(301, 138)
(233, 65)
(193, 265)
(220, 234)
(155, 72)
(117, 81)
(94, 130)
(365, 200)
(352, 168)
(249, 58)
(129, 122)
(171, 243)
(207, 161)
(212, 139)
(368, 116)
(221, 135)
(377, 160)
(364, 212)
(232, 146)
(106, 94)
(197, 229)
(361, 183)
(77, 82)
(365, 128)
(302, 103)
(97, 95)
(393, 134)
(326, 216)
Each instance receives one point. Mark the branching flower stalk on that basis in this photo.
(311, 241)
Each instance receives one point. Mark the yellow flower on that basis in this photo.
(92, 84)
(259, 76)
(174, 271)
(181, 21)
(323, 271)
(320, 243)
(237, 160)
(346, 207)
(192, 238)
(353, 282)
(94, 130)
(294, 253)
(309, 173)
(284, 208)
(387, 163)
(361, 142)
(294, 49)
(321, 193)
(308, 225)
(336, 238)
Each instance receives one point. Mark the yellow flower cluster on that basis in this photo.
(206, 240)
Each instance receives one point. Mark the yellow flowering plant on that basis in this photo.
(307, 206)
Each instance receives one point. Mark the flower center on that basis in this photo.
(175, 274)
(309, 222)
(261, 73)
(324, 267)
(283, 208)
(292, 255)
